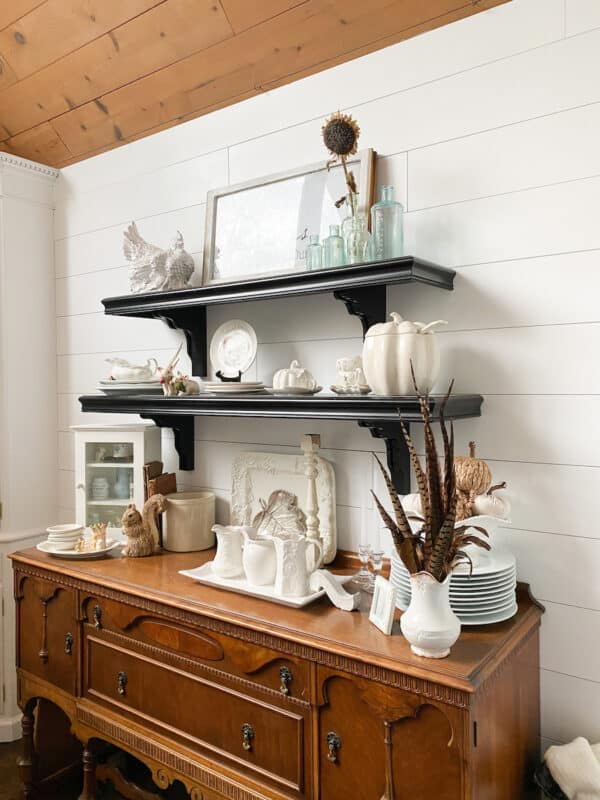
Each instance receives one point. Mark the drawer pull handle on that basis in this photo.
(121, 683)
(285, 677)
(97, 618)
(247, 736)
(333, 745)
(69, 644)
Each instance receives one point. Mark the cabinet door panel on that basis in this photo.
(380, 742)
(48, 632)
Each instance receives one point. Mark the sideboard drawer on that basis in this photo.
(222, 722)
(47, 631)
(143, 632)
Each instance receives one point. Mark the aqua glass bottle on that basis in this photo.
(387, 237)
(333, 248)
(314, 253)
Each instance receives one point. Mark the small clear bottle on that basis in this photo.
(387, 236)
(333, 248)
(314, 253)
(356, 238)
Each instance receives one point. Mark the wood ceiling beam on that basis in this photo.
(163, 35)
(56, 28)
(297, 39)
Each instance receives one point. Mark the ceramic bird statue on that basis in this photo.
(154, 269)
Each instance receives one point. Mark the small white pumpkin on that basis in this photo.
(492, 505)
(294, 377)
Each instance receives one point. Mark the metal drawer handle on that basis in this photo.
(333, 745)
(247, 736)
(69, 644)
(97, 618)
(121, 683)
(285, 677)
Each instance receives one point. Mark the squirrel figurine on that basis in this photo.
(142, 529)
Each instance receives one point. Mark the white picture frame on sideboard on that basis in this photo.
(383, 605)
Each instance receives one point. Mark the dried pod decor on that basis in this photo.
(473, 478)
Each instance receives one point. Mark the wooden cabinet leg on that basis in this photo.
(89, 776)
(26, 764)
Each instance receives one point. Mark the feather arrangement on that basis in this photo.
(435, 544)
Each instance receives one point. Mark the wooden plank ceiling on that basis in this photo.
(78, 77)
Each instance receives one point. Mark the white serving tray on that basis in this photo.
(205, 575)
(75, 555)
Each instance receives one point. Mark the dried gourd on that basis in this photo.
(473, 475)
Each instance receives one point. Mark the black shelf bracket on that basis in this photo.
(368, 303)
(398, 458)
(183, 431)
(192, 321)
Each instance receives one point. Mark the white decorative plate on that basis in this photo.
(233, 347)
(114, 387)
(295, 390)
(205, 574)
(255, 475)
(46, 547)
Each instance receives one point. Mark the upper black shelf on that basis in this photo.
(375, 273)
(361, 287)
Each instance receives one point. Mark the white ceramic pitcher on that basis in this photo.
(295, 564)
(228, 561)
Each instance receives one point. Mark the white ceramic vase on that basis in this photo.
(429, 623)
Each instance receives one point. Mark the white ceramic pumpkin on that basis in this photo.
(294, 377)
(389, 350)
(492, 505)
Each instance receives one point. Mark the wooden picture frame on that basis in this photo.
(261, 227)
(383, 605)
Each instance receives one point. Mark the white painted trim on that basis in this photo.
(8, 160)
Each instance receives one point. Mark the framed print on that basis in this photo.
(383, 605)
(262, 227)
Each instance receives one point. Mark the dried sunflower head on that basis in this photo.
(340, 134)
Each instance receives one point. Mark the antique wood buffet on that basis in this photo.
(243, 699)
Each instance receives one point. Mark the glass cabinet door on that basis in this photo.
(109, 481)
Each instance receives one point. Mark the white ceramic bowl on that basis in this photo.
(71, 530)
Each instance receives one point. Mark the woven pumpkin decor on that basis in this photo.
(473, 477)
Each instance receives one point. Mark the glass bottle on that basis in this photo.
(386, 226)
(333, 248)
(314, 253)
(356, 238)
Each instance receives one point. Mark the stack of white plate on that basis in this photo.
(64, 537)
(485, 597)
(233, 387)
(153, 386)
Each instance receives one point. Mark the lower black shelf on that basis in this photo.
(379, 414)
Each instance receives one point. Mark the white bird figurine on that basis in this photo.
(153, 269)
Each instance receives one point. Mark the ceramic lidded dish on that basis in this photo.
(389, 349)
(294, 377)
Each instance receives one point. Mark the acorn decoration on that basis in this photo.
(473, 478)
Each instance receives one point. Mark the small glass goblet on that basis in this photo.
(376, 560)
(363, 576)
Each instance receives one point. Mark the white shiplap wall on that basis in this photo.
(489, 130)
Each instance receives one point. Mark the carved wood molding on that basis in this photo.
(195, 667)
(420, 686)
(175, 767)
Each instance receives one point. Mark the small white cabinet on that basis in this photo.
(109, 469)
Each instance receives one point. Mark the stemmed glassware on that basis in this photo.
(365, 577)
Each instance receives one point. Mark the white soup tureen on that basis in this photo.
(389, 350)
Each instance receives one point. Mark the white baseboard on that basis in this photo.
(10, 728)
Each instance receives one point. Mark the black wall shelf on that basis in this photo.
(379, 414)
(361, 287)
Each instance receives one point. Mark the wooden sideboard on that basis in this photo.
(243, 699)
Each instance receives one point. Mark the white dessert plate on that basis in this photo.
(294, 390)
(205, 575)
(47, 547)
(233, 347)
